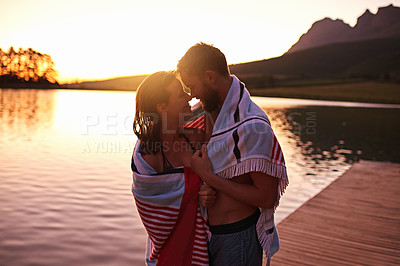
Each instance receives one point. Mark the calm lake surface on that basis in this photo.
(65, 175)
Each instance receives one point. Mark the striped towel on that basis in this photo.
(197, 119)
(242, 141)
(168, 206)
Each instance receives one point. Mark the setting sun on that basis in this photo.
(281, 120)
(100, 39)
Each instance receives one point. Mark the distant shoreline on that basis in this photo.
(41, 86)
(365, 92)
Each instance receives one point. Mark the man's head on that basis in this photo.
(201, 57)
(199, 69)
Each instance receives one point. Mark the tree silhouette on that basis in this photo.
(26, 66)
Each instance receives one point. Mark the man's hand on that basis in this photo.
(201, 164)
(207, 195)
(261, 193)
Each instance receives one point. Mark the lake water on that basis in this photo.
(65, 175)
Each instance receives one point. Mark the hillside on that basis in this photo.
(384, 24)
(369, 59)
(123, 83)
(331, 52)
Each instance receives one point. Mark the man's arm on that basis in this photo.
(262, 193)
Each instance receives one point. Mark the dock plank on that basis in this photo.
(353, 221)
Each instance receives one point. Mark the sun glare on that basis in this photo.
(93, 114)
(101, 39)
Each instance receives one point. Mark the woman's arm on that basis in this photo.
(207, 195)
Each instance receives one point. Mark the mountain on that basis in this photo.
(384, 24)
(361, 59)
(369, 59)
(330, 50)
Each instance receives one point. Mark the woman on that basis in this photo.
(164, 186)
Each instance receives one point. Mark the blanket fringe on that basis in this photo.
(258, 165)
(265, 242)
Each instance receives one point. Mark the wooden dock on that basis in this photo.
(354, 221)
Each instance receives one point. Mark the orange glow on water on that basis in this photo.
(65, 174)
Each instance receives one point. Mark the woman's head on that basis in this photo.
(160, 93)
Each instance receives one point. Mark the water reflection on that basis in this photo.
(329, 133)
(65, 176)
(308, 170)
(25, 111)
(321, 142)
(59, 204)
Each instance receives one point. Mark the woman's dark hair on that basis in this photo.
(147, 124)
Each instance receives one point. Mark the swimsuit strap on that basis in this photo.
(166, 164)
(188, 141)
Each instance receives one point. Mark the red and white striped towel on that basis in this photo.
(168, 206)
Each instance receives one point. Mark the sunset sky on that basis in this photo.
(99, 39)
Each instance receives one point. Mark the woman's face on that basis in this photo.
(178, 101)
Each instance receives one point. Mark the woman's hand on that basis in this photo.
(201, 164)
(207, 195)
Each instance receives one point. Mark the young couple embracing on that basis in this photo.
(207, 180)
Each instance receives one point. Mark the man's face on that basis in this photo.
(201, 90)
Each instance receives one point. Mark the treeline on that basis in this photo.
(26, 66)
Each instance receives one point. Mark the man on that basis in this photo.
(248, 167)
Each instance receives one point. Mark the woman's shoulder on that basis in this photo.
(153, 160)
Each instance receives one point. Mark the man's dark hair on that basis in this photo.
(201, 57)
